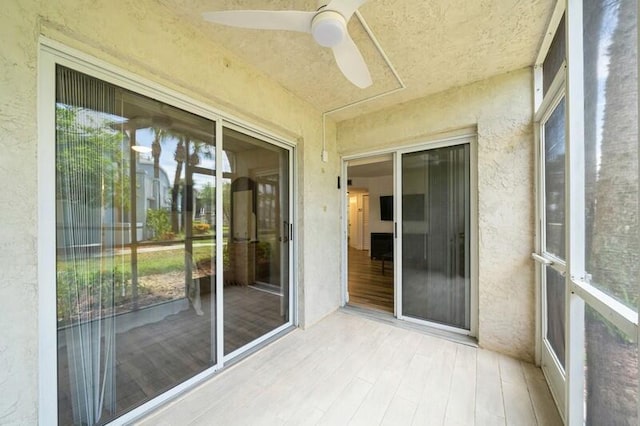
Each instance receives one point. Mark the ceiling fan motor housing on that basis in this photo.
(328, 28)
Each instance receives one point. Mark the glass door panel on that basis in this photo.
(435, 235)
(256, 238)
(135, 248)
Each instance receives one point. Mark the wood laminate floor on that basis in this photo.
(369, 287)
(348, 369)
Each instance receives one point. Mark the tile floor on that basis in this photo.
(348, 369)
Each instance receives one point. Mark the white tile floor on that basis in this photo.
(352, 370)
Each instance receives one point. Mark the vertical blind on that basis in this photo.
(85, 277)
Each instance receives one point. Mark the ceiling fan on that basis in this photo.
(327, 25)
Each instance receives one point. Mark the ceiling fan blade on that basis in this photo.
(287, 20)
(352, 64)
(345, 8)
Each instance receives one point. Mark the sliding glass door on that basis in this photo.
(173, 236)
(135, 248)
(435, 227)
(256, 238)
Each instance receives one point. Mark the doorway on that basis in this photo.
(435, 232)
(256, 216)
(370, 233)
(421, 259)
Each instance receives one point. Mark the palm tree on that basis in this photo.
(180, 155)
(160, 135)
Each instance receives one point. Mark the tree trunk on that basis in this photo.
(613, 253)
(175, 190)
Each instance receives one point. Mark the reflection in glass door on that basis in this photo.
(135, 248)
(257, 232)
(436, 236)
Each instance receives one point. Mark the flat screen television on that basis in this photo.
(386, 207)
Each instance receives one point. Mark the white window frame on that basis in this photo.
(544, 105)
(579, 291)
(548, 358)
(50, 54)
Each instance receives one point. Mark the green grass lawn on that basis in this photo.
(149, 262)
(107, 276)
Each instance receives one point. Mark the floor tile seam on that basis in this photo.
(533, 406)
(446, 408)
(341, 392)
(364, 398)
(504, 404)
(389, 406)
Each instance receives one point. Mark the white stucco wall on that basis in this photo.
(142, 37)
(501, 108)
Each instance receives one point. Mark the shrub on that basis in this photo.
(201, 228)
(159, 222)
(79, 294)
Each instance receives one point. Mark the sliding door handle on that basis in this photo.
(285, 231)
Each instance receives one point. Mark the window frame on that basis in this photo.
(579, 293)
(557, 377)
(545, 103)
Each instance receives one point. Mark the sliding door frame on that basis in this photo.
(52, 53)
(344, 209)
(461, 137)
(247, 130)
(472, 300)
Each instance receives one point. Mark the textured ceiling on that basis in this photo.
(434, 45)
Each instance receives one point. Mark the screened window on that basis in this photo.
(612, 252)
(555, 57)
(554, 182)
(611, 367)
(612, 239)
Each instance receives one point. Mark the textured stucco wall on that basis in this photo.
(18, 288)
(501, 108)
(143, 37)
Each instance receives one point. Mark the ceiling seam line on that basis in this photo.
(387, 61)
(376, 43)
